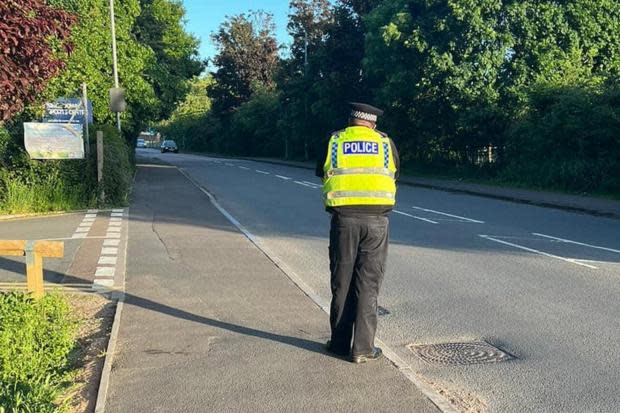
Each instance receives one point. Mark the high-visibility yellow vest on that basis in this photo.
(359, 169)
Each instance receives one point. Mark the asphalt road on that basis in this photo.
(541, 284)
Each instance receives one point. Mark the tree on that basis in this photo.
(30, 32)
(247, 58)
(175, 59)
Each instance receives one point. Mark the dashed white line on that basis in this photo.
(105, 272)
(262, 172)
(535, 251)
(109, 250)
(430, 221)
(448, 215)
(107, 260)
(244, 167)
(229, 164)
(313, 184)
(568, 241)
(304, 184)
(286, 178)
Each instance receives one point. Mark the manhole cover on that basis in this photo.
(460, 354)
(382, 310)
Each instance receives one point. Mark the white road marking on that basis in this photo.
(86, 224)
(113, 235)
(313, 184)
(440, 401)
(92, 211)
(103, 284)
(107, 260)
(116, 214)
(109, 250)
(229, 164)
(304, 184)
(448, 215)
(79, 235)
(568, 241)
(105, 272)
(115, 223)
(413, 216)
(114, 229)
(118, 210)
(546, 254)
(262, 172)
(111, 242)
(82, 229)
(116, 219)
(244, 167)
(90, 216)
(286, 178)
(91, 220)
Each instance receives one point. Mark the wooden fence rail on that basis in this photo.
(34, 251)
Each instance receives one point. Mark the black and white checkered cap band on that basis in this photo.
(363, 115)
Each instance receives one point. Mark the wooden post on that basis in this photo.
(100, 163)
(34, 252)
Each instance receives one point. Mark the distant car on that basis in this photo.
(169, 146)
(140, 143)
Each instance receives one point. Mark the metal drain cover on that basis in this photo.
(460, 354)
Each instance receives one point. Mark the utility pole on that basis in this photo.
(114, 62)
(306, 94)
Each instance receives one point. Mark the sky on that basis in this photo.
(204, 17)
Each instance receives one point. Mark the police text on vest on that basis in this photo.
(360, 148)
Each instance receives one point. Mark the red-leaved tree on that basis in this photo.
(28, 29)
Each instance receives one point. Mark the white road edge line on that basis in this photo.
(262, 172)
(413, 216)
(313, 184)
(286, 178)
(440, 401)
(546, 254)
(568, 241)
(448, 215)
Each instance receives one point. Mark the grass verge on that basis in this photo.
(49, 350)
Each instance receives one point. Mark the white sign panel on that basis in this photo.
(54, 140)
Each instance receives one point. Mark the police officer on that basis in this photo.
(359, 187)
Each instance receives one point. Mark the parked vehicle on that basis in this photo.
(140, 143)
(169, 146)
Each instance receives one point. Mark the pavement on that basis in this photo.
(94, 253)
(210, 323)
(539, 283)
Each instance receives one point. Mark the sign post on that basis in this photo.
(86, 117)
(100, 162)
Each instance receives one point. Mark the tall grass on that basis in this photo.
(50, 193)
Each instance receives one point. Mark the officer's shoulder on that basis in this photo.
(383, 134)
(335, 133)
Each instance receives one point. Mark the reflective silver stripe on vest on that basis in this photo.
(360, 194)
(360, 171)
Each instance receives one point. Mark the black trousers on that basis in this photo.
(357, 253)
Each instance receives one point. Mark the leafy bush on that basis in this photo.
(117, 167)
(36, 338)
(569, 138)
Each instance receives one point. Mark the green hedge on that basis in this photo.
(36, 339)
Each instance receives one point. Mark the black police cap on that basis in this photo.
(365, 112)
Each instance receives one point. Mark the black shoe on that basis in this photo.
(337, 351)
(363, 358)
